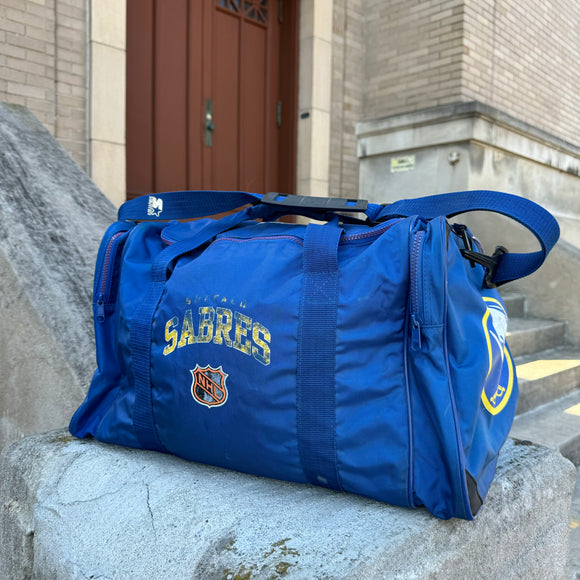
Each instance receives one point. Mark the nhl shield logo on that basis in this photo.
(209, 386)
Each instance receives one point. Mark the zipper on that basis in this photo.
(282, 237)
(375, 232)
(416, 290)
(103, 289)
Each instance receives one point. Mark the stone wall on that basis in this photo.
(52, 221)
(107, 97)
(522, 58)
(470, 146)
(414, 55)
(43, 66)
(83, 509)
(392, 57)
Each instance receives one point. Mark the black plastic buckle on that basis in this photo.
(490, 263)
(305, 202)
(461, 231)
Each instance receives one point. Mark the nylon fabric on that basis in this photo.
(365, 357)
(177, 205)
(141, 327)
(316, 361)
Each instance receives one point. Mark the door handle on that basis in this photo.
(209, 124)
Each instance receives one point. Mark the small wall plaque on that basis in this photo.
(403, 163)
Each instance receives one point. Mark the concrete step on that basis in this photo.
(531, 335)
(515, 304)
(556, 425)
(546, 376)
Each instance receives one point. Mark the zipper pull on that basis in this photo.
(415, 334)
(101, 308)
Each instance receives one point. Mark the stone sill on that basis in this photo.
(465, 122)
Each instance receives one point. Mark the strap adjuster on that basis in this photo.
(315, 203)
(490, 263)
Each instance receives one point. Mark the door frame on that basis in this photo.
(315, 97)
(312, 51)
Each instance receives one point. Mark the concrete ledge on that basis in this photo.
(464, 146)
(495, 120)
(81, 509)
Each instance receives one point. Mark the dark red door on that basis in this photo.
(211, 95)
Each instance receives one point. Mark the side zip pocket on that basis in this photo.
(416, 274)
(107, 262)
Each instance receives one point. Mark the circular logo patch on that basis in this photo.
(500, 375)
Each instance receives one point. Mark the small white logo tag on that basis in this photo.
(155, 206)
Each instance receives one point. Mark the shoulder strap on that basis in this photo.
(532, 216)
(176, 205)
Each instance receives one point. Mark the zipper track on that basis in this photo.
(107, 262)
(346, 238)
(231, 239)
(414, 334)
(374, 233)
(104, 288)
(416, 314)
(415, 257)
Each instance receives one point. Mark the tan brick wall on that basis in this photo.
(43, 66)
(389, 57)
(348, 76)
(524, 59)
(398, 56)
(414, 51)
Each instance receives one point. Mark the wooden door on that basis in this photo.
(211, 95)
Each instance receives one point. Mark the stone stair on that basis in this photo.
(548, 372)
(548, 410)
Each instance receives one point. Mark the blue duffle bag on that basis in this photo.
(363, 355)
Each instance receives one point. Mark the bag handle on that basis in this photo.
(141, 325)
(507, 267)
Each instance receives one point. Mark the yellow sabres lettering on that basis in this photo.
(223, 326)
(217, 325)
(187, 334)
(206, 316)
(243, 324)
(261, 337)
(171, 335)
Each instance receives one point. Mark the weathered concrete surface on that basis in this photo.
(81, 509)
(51, 221)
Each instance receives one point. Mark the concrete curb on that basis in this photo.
(82, 509)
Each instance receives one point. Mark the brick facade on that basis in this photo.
(524, 59)
(43, 66)
(348, 77)
(414, 52)
(399, 56)
(388, 57)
